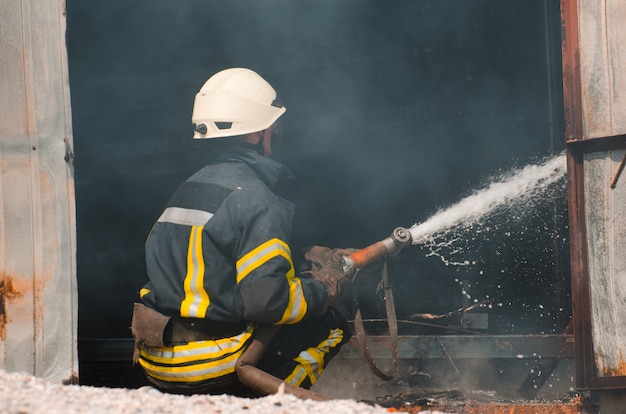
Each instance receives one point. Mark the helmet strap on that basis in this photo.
(260, 149)
(258, 146)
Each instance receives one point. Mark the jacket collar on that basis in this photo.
(273, 173)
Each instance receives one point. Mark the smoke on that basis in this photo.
(393, 109)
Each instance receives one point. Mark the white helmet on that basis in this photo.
(234, 102)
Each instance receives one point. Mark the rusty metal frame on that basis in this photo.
(586, 371)
(513, 347)
(577, 146)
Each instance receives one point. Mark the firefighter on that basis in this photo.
(220, 266)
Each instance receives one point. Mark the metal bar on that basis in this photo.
(618, 172)
(599, 144)
(572, 94)
(105, 349)
(581, 309)
(597, 383)
(576, 147)
(409, 347)
(541, 371)
(466, 347)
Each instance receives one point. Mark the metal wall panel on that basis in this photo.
(606, 240)
(593, 60)
(38, 315)
(602, 59)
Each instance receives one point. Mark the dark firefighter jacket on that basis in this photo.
(220, 248)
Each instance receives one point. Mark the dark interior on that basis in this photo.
(395, 110)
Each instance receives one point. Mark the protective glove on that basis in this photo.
(326, 267)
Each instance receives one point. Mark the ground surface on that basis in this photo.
(112, 375)
(24, 394)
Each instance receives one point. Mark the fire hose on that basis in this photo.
(260, 381)
(386, 247)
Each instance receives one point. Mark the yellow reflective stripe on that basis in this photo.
(197, 350)
(311, 360)
(196, 299)
(297, 306)
(143, 292)
(334, 338)
(195, 372)
(261, 254)
(214, 358)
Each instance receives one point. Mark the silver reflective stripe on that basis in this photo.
(185, 216)
(208, 348)
(298, 376)
(311, 361)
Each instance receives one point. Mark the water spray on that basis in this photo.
(517, 185)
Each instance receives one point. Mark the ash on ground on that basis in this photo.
(21, 393)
